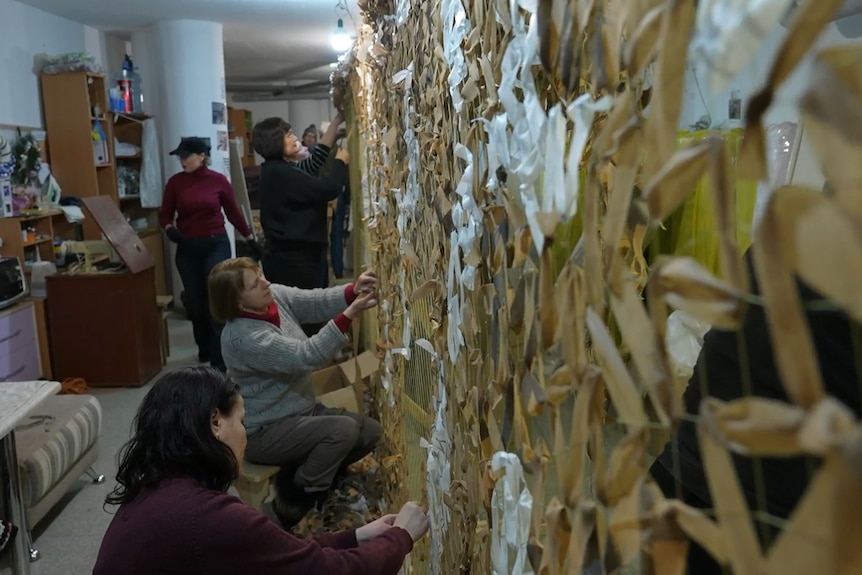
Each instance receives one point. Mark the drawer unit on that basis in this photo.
(20, 359)
(23, 364)
(17, 328)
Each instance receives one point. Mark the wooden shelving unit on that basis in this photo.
(48, 225)
(73, 102)
(239, 125)
(129, 129)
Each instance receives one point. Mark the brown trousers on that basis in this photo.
(317, 445)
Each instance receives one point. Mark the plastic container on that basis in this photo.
(115, 100)
(128, 95)
(38, 272)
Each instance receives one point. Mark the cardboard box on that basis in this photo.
(343, 385)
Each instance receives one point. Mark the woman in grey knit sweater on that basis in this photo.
(268, 354)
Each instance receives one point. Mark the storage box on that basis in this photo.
(343, 385)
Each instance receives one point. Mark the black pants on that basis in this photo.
(196, 257)
(303, 268)
(336, 236)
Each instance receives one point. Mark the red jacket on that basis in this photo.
(182, 528)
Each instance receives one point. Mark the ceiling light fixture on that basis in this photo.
(341, 42)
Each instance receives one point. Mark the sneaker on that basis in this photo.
(292, 509)
(341, 474)
(316, 499)
(284, 514)
(292, 502)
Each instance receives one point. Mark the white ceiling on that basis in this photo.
(265, 40)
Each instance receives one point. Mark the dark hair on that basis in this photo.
(312, 129)
(268, 138)
(171, 434)
(225, 286)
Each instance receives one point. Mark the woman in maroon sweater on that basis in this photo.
(176, 519)
(191, 215)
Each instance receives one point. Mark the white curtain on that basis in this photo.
(151, 167)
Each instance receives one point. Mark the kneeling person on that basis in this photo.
(268, 354)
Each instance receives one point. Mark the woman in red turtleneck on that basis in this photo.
(191, 215)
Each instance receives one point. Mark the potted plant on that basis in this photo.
(27, 158)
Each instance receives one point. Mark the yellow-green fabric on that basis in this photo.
(691, 230)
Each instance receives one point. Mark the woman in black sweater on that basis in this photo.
(293, 206)
(741, 363)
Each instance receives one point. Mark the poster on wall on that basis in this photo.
(222, 140)
(219, 116)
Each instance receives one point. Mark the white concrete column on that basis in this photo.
(141, 51)
(184, 78)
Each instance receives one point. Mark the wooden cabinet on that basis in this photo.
(154, 242)
(20, 358)
(46, 225)
(104, 327)
(75, 105)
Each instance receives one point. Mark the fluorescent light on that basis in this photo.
(341, 42)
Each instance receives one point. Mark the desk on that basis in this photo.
(17, 400)
(87, 340)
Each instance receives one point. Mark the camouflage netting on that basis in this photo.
(508, 177)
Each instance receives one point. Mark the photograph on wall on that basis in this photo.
(222, 140)
(219, 116)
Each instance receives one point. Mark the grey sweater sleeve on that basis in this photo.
(312, 305)
(266, 350)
